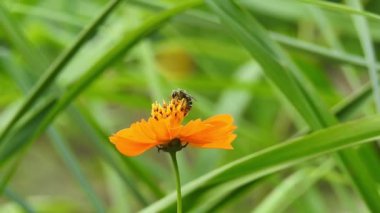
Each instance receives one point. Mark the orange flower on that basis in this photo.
(165, 131)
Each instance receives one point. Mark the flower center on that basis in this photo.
(174, 145)
(174, 110)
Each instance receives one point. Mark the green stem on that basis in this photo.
(178, 182)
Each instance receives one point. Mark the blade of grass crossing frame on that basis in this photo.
(342, 8)
(15, 35)
(72, 163)
(58, 142)
(6, 174)
(345, 198)
(19, 200)
(115, 161)
(47, 13)
(320, 115)
(283, 39)
(368, 151)
(281, 156)
(370, 158)
(117, 193)
(13, 142)
(86, 188)
(319, 50)
(347, 105)
(292, 187)
(365, 39)
(345, 109)
(248, 35)
(90, 125)
(65, 153)
(49, 76)
(311, 203)
(127, 42)
(268, 60)
(62, 149)
(329, 35)
(220, 194)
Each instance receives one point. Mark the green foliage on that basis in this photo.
(293, 74)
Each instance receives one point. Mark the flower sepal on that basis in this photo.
(173, 146)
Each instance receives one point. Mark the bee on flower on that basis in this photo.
(164, 129)
(182, 94)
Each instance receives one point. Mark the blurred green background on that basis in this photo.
(72, 167)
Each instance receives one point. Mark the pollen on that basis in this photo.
(174, 110)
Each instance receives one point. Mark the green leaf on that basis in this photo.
(54, 70)
(221, 192)
(15, 35)
(286, 76)
(366, 42)
(292, 187)
(57, 140)
(121, 166)
(328, 53)
(342, 9)
(19, 200)
(282, 156)
(95, 70)
(73, 164)
(277, 67)
(352, 103)
(13, 143)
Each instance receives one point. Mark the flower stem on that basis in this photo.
(178, 182)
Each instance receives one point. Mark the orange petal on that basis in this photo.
(143, 135)
(215, 132)
(161, 129)
(193, 127)
(138, 132)
(220, 119)
(129, 148)
(221, 144)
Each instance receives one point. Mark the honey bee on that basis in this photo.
(182, 94)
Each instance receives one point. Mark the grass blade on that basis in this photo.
(321, 51)
(342, 9)
(283, 155)
(120, 165)
(19, 200)
(291, 188)
(362, 28)
(280, 38)
(220, 194)
(7, 173)
(16, 38)
(73, 165)
(58, 142)
(99, 67)
(253, 36)
(344, 109)
(68, 157)
(49, 76)
(13, 142)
